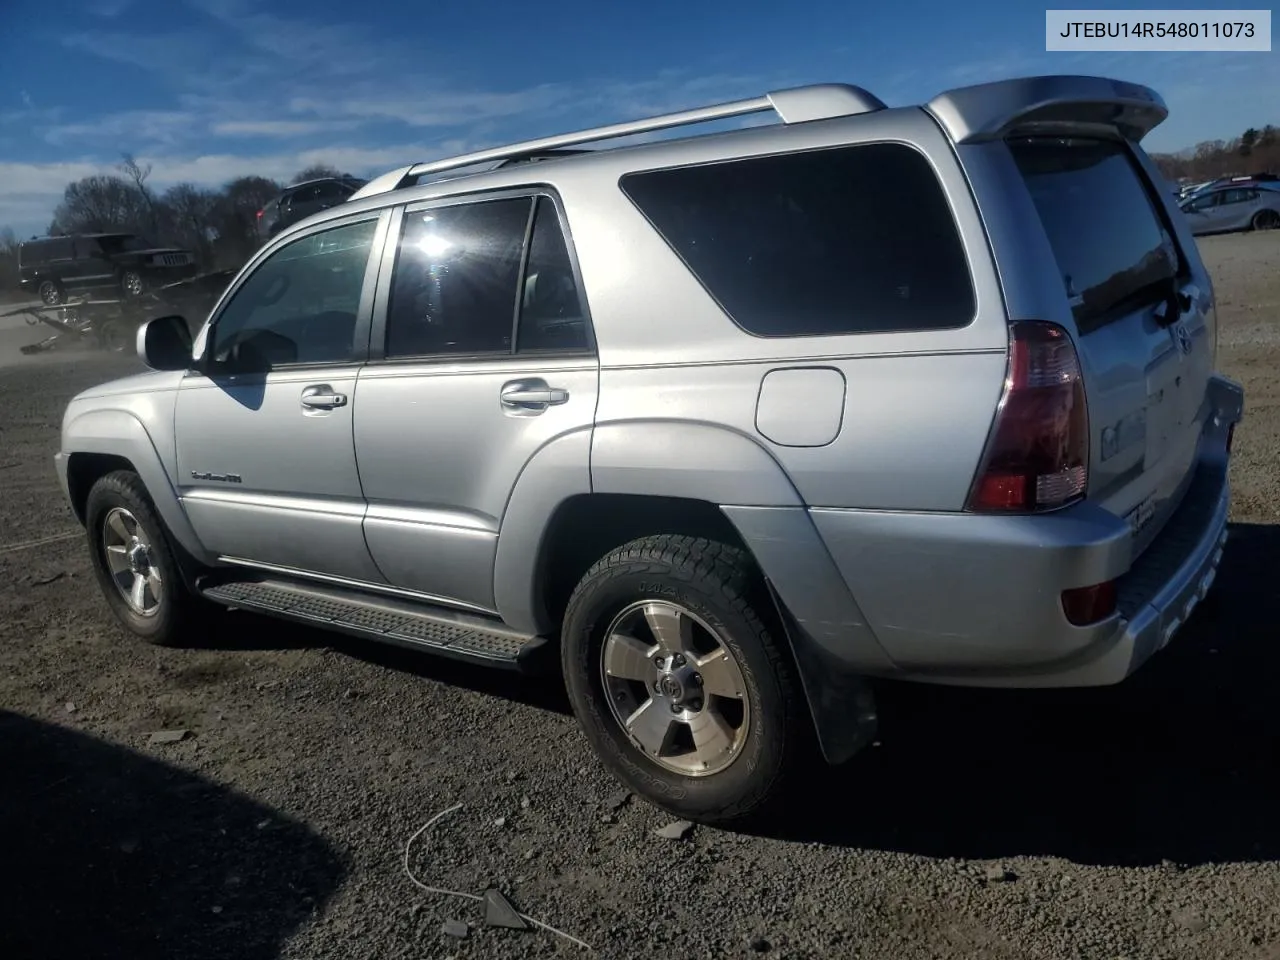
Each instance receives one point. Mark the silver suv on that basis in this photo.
(728, 424)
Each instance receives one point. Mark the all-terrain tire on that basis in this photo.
(180, 615)
(720, 585)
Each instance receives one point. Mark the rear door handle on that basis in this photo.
(530, 395)
(324, 401)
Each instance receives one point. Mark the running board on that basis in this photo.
(417, 626)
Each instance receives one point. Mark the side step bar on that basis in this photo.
(417, 626)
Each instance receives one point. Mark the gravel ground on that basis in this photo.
(1136, 822)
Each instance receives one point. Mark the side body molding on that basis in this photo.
(121, 433)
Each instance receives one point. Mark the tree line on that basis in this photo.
(1254, 151)
(218, 225)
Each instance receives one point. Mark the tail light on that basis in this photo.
(1037, 455)
(260, 213)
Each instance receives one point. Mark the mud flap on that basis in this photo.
(841, 703)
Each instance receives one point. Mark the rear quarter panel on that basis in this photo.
(916, 407)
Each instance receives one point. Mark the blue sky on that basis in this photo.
(205, 90)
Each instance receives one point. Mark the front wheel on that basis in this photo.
(134, 562)
(51, 293)
(680, 681)
(132, 284)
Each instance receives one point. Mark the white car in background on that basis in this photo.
(1228, 208)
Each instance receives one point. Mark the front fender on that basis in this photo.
(119, 433)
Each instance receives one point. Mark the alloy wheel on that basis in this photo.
(675, 687)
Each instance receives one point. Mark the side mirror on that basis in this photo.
(165, 343)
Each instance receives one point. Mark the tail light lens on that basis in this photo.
(1037, 455)
(260, 212)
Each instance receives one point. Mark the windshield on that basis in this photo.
(123, 242)
(1112, 247)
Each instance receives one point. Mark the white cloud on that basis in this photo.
(126, 130)
(277, 128)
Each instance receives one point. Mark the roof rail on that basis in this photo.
(819, 101)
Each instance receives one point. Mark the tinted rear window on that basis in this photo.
(1113, 249)
(847, 240)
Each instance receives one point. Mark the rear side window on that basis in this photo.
(848, 240)
(468, 276)
(1113, 249)
(455, 281)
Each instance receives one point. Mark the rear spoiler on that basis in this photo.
(992, 111)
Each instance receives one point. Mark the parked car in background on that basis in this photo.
(1223, 209)
(105, 264)
(301, 200)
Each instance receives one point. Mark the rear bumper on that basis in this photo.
(976, 600)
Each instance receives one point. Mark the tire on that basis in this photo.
(722, 595)
(132, 284)
(1266, 220)
(51, 293)
(117, 511)
(114, 338)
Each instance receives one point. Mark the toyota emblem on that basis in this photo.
(1183, 336)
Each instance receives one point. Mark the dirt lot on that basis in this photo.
(1139, 821)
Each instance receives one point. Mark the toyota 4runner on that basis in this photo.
(721, 422)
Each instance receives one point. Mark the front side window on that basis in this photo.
(855, 239)
(1203, 202)
(115, 243)
(299, 305)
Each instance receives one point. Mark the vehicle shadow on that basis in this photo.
(1179, 763)
(242, 630)
(109, 853)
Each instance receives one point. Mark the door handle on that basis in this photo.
(529, 395)
(324, 401)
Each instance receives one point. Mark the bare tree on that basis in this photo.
(101, 203)
(138, 174)
(317, 171)
(8, 259)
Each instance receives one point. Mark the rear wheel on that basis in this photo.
(679, 680)
(1266, 220)
(134, 562)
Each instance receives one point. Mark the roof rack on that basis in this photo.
(819, 101)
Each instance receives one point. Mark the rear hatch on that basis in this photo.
(1144, 315)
